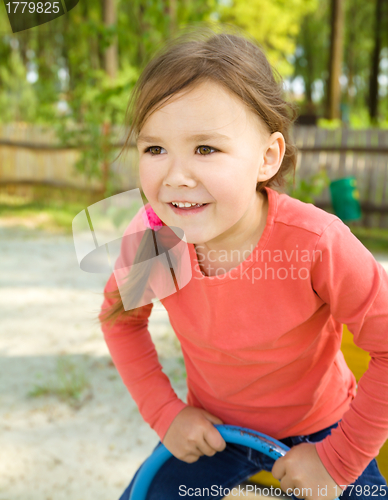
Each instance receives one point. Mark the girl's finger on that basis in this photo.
(214, 439)
(190, 458)
(279, 468)
(206, 449)
(212, 418)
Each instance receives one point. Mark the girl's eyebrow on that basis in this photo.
(193, 138)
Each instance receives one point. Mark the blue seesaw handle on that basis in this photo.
(231, 434)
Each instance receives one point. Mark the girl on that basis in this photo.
(273, 281)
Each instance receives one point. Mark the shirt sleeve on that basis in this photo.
(135, 357)
(347, 277)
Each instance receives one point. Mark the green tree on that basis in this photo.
(358, 47)
(380, 16)
(333, 109)
(311, 60)
(18, 100)
(311, 54)
(275, 24)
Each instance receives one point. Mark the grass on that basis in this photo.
(50, 216)
(374, 239)
(69, 384)
(57, 215)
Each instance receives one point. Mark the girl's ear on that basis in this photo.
(272, 156)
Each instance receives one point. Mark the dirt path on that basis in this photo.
(53, 449)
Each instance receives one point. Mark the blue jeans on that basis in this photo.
(235, 464)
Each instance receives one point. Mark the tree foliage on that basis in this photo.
(312, 57)
(275, 24)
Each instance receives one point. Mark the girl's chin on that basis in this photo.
(198, 236)
(195, 238)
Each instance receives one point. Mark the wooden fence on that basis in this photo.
(32, 163)
(30, 156)
(342, 153)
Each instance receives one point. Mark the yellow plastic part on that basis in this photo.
(358, 361)
(266, 479)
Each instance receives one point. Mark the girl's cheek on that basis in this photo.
(147, 177)
(149, 172)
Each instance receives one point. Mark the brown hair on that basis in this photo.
(223, 55)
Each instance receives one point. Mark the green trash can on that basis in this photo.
(345, 198)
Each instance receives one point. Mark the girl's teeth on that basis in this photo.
(186, 205)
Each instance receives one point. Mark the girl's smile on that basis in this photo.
(204, 146)
(189, 209)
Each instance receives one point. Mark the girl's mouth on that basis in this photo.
(194, 209)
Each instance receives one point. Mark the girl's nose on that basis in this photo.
(179, 174)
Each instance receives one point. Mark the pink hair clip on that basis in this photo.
(151, 220)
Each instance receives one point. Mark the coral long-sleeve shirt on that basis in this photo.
(261, 343)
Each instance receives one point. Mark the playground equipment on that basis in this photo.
(231, 434)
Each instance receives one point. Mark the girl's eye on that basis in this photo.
(152, 147)
(206, 148)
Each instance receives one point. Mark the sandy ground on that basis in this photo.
(53, 448)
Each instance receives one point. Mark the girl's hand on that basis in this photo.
(302, 469)
(192, 434)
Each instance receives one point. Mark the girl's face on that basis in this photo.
(207, 147)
